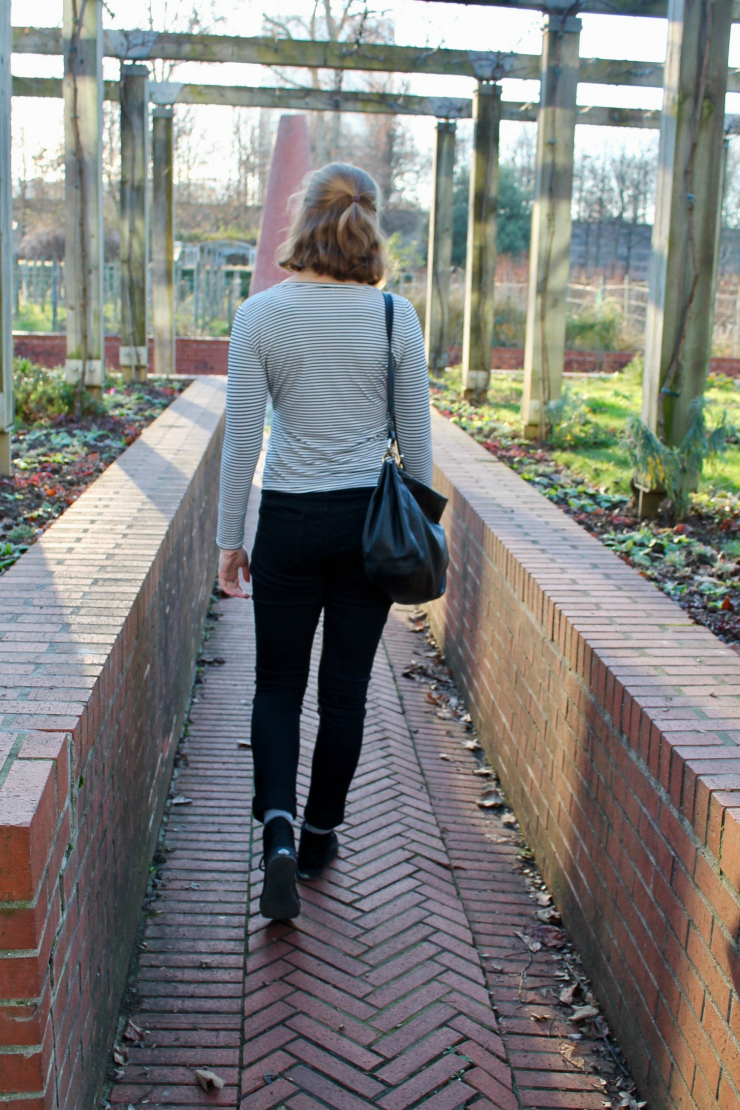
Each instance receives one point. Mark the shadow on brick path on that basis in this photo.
(402, 985)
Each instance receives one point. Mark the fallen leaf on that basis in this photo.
(537, 1015)
(568, 994)
(119, 1055)
(532, 944)
(508, 819)
(484, 772)
(132, 1032)
(208, 1079)
(583, 1013)
(243, 744)
(212, 661)
(444, 755)
(550, 935)
(489, 802)
(569, 1052)
(543, 898)
(181, 800)
(549, 916)
(472, 746)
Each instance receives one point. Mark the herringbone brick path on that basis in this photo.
(379, 995)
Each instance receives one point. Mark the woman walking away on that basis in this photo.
(317, 343)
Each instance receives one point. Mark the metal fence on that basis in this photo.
(208, 291)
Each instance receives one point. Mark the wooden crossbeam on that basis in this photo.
(318, 100)
(655, 8)
(484, 65)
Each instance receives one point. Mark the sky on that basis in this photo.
(37, 124)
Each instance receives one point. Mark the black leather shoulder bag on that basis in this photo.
(404, 544)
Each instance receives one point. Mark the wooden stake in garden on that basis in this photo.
(6, 245)
(480, 268)
(689, 190)
(134, 220)
(439, 256)
(163, 241)
(82, 44)
(549, 251)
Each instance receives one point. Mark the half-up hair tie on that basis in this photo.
(329, 235)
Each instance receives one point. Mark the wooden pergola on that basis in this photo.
(683, 268)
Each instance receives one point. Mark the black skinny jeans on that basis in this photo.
(307, 557)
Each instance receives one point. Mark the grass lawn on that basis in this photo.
(588, 440)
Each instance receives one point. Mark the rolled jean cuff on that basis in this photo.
(260, 806)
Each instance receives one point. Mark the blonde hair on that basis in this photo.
(335, 228)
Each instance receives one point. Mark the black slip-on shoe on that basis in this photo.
(315, 853)
(279, 899)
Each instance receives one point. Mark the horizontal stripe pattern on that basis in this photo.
(319, 350)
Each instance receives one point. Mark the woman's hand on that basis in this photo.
(229, 563)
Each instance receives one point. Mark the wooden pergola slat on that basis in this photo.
(371, 57)
(319, 100)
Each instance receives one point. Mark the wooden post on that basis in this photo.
(134, 217)
(6, 245)
(680, 302)
(480, 266)
(549, 252)
(163, 236)
(82, 44)
(439, 259)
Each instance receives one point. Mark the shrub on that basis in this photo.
(41, 394)
(571, 423)
(595, 329)
(677, 469)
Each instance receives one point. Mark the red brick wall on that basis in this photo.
(100, 622)
(614, 723)
(192, 355)
(211, 356)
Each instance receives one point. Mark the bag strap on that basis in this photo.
(391, 377)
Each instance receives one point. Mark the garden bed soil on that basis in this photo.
(56, 458)
(696, 561)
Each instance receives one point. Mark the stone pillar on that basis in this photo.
(134, 219)
(689, 193)
(6, 245)
(549, 252)
(439, 257)
(480, 266)
(82, 43)
(163, 235)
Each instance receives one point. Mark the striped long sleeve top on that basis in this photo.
(320, 351)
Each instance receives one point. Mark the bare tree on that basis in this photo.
(251, 141)
(344, 21)
(522, 154)
(634, 187)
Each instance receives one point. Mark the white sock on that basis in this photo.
(270, 813)
(313, 829)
